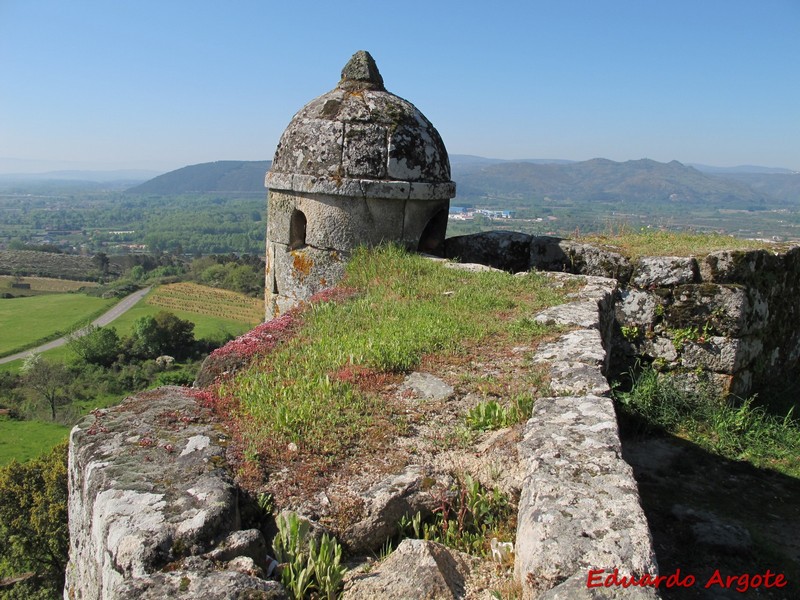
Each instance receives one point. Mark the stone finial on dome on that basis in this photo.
(361, 73)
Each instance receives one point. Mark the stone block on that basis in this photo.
(138, 499)
(721, 354)
(416, 569)
(506, 250)
(579, 507)
(637, 308)
(299, 274)
(659, 271)
(556, 254)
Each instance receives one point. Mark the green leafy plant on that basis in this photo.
(487, 416)
(307, 564)
(491, 415)
(630, 333)
(467, 517)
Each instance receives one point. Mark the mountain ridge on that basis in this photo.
(597, 179)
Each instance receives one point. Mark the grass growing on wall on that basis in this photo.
(738, 430)
(404, 308)
(652, 242)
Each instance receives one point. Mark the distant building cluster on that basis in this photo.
(460, 213)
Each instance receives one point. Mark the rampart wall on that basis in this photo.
(148, 484)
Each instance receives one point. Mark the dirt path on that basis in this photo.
(117, 310)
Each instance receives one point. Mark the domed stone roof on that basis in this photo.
(360, 140)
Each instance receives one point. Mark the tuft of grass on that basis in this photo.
(466, 518)
(405, 308)
(491, 415)
(654, 242)
(738, 430)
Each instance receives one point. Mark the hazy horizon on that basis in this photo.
(34, 168)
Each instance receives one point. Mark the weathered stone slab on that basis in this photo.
(400, 494)
(721, 354)
(506, 250)
(556, 254)
(147, 487)
(580, 313)
(416, 569)
(425, 386)
(636, 307)
(658, 271)
(579, 507)
(200, 578)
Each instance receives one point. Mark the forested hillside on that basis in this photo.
(639, 181)
(219, 176)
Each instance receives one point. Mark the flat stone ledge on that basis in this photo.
(579, 508)
(367, 188)
(147, 487)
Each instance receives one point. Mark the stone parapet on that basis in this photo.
(149, 496)
(579, 508)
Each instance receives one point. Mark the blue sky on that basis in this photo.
(162, 84)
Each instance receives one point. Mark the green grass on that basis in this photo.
(26, 321)
(647, 242)
(23, 440)
(406, 307)
(738, 430)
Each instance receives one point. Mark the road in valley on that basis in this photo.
(118, 309)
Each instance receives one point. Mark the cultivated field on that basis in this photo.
(41, 285)
(208, 301)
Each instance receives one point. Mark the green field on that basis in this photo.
(22, 440)
(25, 321)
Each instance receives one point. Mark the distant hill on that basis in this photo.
(641, 181)
(219, 176)
(784, 187)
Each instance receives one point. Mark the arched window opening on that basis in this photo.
(297, 230)
(432, 239)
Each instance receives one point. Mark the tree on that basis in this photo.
(99, 346)
(102, 262)
(48, 379)
(33, 517)
(164, 333)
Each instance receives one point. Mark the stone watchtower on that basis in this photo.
(356, 166)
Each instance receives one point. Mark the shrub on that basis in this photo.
(33, 518)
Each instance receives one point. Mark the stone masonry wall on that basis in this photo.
(729, 317)
(154, 511)
(579, 508)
